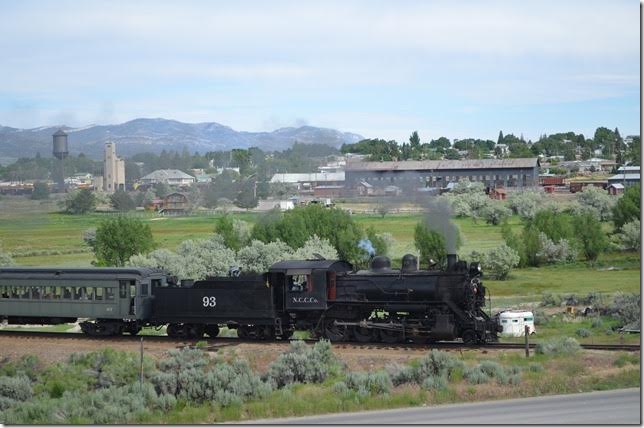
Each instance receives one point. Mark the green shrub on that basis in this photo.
(400, 374)
(432, 383)
(369, 383)
(492, 368)
(16, 387)
(596, 322)
(475, 376)
(550, 299)
(583, 332)
(625, 358)
(340, 388)
(559, 346)
(436, 363)
(303, 364)
(5, 403)
(535, 367)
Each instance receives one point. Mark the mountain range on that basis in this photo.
(155, 135)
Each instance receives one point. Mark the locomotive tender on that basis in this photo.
(326, 297)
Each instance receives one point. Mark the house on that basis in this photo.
(330, 191)
(171, 177)
(175, 204)
(365, 189)
(627, 179)
(615, 189)
(499, 193)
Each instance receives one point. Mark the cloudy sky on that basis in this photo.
(377, 68)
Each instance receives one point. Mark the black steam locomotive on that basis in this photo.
(325, 297)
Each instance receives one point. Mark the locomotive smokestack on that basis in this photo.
(451, 261)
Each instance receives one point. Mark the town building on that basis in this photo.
(615, 189)
(308, 182)
(113, 170)
(171, 177)
(626, 179)
(413, 175)
(175, 204)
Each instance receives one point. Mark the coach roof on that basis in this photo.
(44, 271)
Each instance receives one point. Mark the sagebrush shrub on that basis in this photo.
(369, 383)
(303, 364)
(560, 346)
(492, 368)
(475, 376)
(583, 332)
(432, 383)
(16, 387)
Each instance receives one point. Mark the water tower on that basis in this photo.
(60, 152)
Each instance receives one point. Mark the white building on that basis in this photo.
(113, 170)
(171, 177)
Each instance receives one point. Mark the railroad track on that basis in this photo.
(219, 342)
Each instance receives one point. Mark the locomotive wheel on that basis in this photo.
(265, 333)
(212, 330)
(175, 330)
(134, 329)
(286, 334)
(194, 331)
(469, 337)
(242, 332)
(388, 336)
(363, 334)
(334, 332)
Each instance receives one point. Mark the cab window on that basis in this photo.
(299, 283)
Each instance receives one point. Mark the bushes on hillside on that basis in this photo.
(498, 262)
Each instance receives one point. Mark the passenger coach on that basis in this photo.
(116, 299)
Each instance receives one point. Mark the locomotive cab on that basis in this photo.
(306, 285)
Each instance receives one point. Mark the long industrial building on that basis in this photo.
(508, 173)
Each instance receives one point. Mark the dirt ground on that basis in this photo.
(259, 355)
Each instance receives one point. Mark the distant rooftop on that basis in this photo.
(443, 164)
(167, 174)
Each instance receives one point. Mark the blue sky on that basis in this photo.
(380, 69)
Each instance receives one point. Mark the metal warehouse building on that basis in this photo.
(508, 173)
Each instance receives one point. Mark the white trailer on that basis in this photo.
(514, 322)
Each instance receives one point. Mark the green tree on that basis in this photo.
(296, 226)
(41, 191)
(161, 189)
(224, 226)
(590, 235)
(80, 202)
(627, 207)
(120, 238)
(121, 201)
(247, 196)
(430, 244)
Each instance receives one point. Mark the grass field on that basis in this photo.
(38, 235)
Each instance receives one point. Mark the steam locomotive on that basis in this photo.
(326, 297)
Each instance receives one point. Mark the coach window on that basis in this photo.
(25, 293)
(35, 292)
(78, 293)
(144, 289)
(98, 293)
(67, 292)
(57, 292)
(109, 293)
(4, 292)
(122, 289)
(132, 288)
